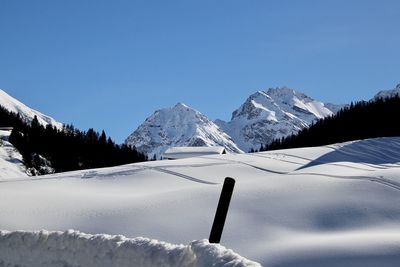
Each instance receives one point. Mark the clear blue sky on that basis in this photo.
(110, 64)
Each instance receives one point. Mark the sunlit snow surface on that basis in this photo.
(335, 205)
(11, 162)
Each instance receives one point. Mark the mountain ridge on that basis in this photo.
(388, 93)
(27, 114)
(263, 117)
(274, 113)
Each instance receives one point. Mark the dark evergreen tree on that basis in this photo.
(68, 148)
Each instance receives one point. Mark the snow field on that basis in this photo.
(329, 206)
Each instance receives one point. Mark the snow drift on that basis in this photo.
(72, 248)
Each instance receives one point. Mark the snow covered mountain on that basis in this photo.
(271, 114)
(178, 126)
(11, 161)
(264, 116)
(27, 113)
(388, 93)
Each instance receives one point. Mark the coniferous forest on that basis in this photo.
(362, 120)
(65, 149)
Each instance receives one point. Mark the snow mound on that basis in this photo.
(72, 248)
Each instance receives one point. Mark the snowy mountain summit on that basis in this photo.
(388, 93)
(264, 116)
(275, 113)
(27, 114)
(178, 126)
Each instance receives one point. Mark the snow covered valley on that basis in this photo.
(335, 205)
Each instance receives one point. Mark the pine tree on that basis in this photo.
(67, 149)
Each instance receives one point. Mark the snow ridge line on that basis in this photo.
(95, 174)
(247, 164)
(318, 161)
(180, 175)
(72, 248)
(380, 180)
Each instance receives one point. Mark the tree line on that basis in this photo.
(66, 149)
(360, 120)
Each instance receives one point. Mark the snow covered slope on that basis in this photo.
(178, 126)
(276, 113)
(335, 205)
(11, 163)
(13, 105)
(388, 93)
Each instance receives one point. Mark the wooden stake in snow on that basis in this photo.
(222, 210)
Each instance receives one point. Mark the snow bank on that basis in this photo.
(73, 248)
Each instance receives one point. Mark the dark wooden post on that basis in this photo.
(222, 210)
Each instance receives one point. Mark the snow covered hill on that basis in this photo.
(26, 113)
(11, 163)
(178, 126)
(330, 206)
(276, 113)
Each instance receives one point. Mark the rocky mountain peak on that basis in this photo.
(180, 125)
(266, 115)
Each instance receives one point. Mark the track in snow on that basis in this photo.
(191, 178)
(380, 180)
